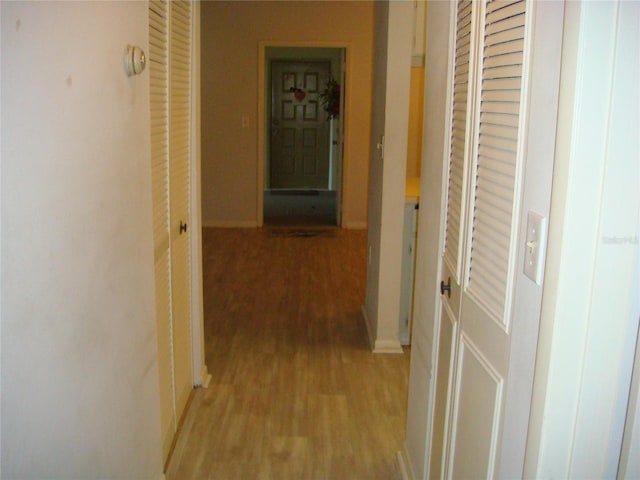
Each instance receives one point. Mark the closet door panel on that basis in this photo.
(170, 116)
(493, 191)
(179, 169)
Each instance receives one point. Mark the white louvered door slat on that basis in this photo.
(159, 81)
(481, 349)
(458, 139)
(496, 157)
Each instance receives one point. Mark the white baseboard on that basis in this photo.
(206, 377)
(230, 224)
(387, 346)
(354, 225)
(379, 346)
(367, 324)
(406, 472)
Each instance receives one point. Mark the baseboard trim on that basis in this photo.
(367, 324)
(404, 466)
(205, 377)
(387, 346)
(181, 422)
(376, 345)
(355, 225)
(230, 224)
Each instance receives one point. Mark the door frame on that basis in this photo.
(263, 81)
(201, 375)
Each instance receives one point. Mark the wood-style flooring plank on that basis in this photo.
(296, 392)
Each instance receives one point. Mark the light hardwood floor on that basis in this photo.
(296, 392)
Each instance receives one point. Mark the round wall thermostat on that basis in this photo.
(134, 60)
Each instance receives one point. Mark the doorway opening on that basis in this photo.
(303, 132)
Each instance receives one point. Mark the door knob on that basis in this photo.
(183, 227)
(446, 287)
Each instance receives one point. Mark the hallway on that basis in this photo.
(296, 392)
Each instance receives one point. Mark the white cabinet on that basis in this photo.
(408, 259)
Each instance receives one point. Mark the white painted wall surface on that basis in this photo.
(79, 350)
(231, 35)
(590, 307)
(387, 178)
(374, 200)
(394, 168)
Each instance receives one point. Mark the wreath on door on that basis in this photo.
(330, 97)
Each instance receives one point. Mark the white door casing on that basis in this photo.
(339, 133)
(263, 121)
(201, 375)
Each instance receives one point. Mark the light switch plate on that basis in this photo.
(535, 244)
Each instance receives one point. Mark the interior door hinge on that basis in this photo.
(380, 146)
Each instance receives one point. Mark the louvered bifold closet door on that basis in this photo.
(179, 173)
(170, 110)
(496, 160)
(483, 346)
(458, 145)
(159, 89)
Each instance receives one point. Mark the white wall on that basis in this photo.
(387, 176)
(590, 308)
(370, 307)
(231, 36)
(79, 350)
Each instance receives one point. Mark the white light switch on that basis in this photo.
(535, 246)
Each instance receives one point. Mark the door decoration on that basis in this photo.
(297, 93)
(331, 99)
